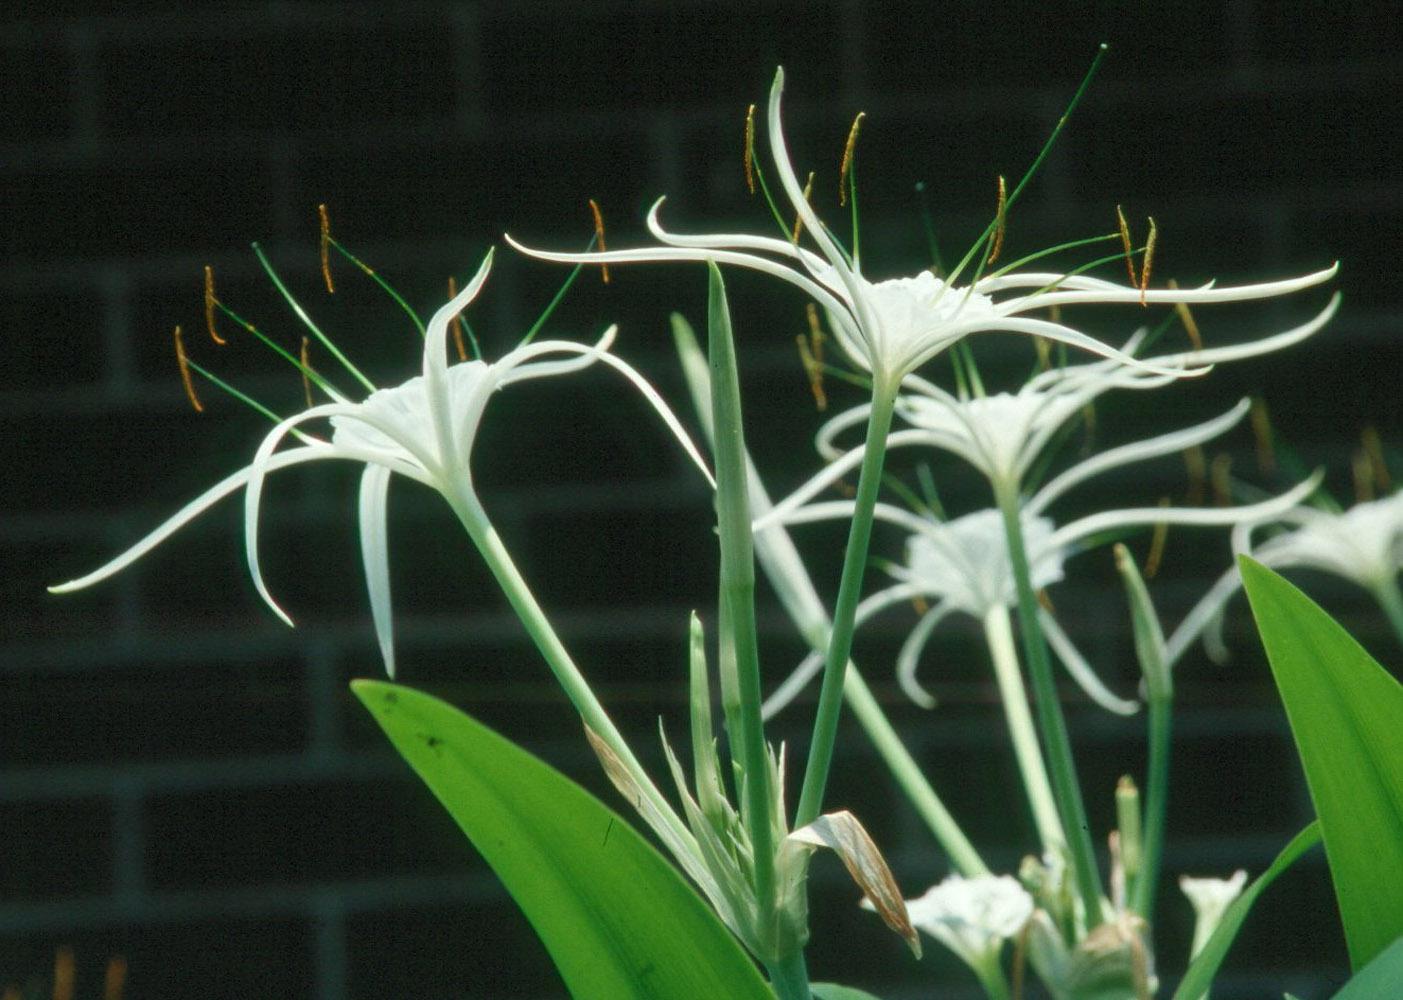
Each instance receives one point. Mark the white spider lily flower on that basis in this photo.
(1004, 434)
(890, 328)
(973, 917)
(1363, 544)
(963, 564)
(423, 429)
(1210, 898)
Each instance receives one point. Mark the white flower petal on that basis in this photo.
(1081, 671)
(375, 553)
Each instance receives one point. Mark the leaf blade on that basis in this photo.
(1204, 967)
(618, 921)
(1346, 715)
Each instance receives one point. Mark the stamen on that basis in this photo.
(848, 149)
(115, 978)
(325, 247)
(599, 237)
(1261, 434)
(1196, 467)
(919, 605)
(1187, 318)
(811, 354)
(1218, 475)
(1156, 554)
(210, 303)
(63, 974)
(1125, 242)
(937, 265)
(306, 367)
(1363, 477)
(814, 370)
(1020, 960)
(799, 219)
(1000, 223)
(750, 149)
(185, 379)
(1373, 447)
(1045, 601)
(457, 325)
(1149, 260)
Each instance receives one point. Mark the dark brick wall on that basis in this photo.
(186, 782)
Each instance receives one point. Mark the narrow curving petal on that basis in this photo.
(1201, 616)
(226, 486)
(436, 360)
(664, 254)
(375, 553)
(909, 657)
(1080, 670)
(1254, 348)
(856, 293)
(253, 490)
(1188, 296)
(817, 267)
(1069, 534)
(1138, 451)
(783, 696)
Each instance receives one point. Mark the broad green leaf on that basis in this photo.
(1205, 966)
(832, 991)
(1346, 714)
(1383, 977)
(618, 921)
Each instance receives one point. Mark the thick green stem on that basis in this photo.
(1391, 600)
(576, 688)
(908, 775)
(790, 978)
(1056, 742)
(998, 632)
(1156, 805)
(840, 643)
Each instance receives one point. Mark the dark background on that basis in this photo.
(186, 782)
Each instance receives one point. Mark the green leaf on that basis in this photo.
(1383, 977)
(1205, 966)
(1346, 714)
(618, 921)
(832, 991)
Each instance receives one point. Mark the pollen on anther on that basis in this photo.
(306, 367)
(799, 219)
(750, 149)
(325, 244)
(1149, 260)
(64, 972)
(1219, 475)
(1196, 468)
(1262, 436)
(599, 236)
(1363, 477)
(185, 379)
(115, 978)
(1125, 242)
(996, 243)
(813, 368)
(457, 325)
(210, 303)
(848, 149)
(1157, 541)
(1187, 318)
(1373, 447)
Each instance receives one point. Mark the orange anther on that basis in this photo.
(185, 380)
(210, 303)
(996, 244)
(750, 149)
(848, 149)
(599, 237)
(325, 247)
